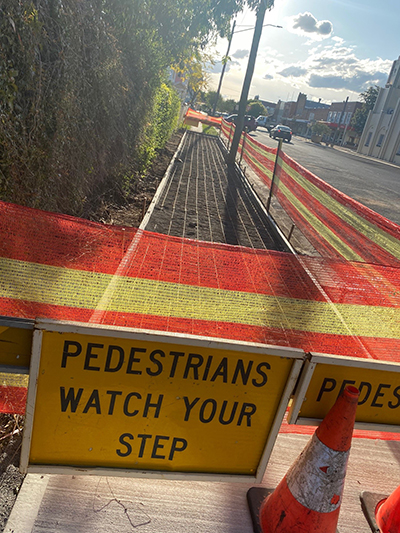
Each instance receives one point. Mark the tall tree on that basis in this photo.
(79, 86)
(361, 114)
(256, 108)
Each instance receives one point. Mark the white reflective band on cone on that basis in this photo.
(316, 479)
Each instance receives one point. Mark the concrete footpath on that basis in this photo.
(75, 504)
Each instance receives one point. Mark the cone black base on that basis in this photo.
(369, 501)
(255, 497)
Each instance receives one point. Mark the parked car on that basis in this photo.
(282, 132)
(262, 120)
(249, 121)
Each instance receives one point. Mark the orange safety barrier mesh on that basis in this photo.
(61, 267)
(64, 268)
(191, 114)
(334, 223)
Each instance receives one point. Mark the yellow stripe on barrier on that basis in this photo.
(257, 164)
(334, 240)
(268, 155)
(370, 231)
(81, 289)
(14, 380)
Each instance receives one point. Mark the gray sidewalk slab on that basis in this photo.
(75, 504)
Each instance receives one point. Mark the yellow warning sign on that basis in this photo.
(378, 383)
(152, 402)
(15, 342)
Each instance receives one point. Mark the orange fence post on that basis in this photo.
(309, 497)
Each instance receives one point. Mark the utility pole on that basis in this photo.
(223, 68)
(337, 135)
(345, 122)
(247, 80)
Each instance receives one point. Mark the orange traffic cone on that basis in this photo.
(308, 498)
(387, 513)
(382, 512)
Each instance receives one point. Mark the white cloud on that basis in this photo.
(338, 67)
(311, 60)
(307, 25)
(293, 71)
(240, 54)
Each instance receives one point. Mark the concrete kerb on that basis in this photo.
(162, 185)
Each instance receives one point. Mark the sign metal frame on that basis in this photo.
(316, 359)
(22, 327)
(42, 326)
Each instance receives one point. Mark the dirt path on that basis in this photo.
(205, 200)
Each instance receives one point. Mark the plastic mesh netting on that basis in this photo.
(59, 267)
(334, 223)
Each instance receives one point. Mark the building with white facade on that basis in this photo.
(381, 134)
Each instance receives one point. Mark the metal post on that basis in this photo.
(247, 81)
(243, 144)
(274, 174)
(229, 137)
(291, 232)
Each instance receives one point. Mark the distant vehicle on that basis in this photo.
(282, 132)
(262, 120)
(249, 121)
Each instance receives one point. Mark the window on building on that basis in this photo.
(348, 118)
(368, 138)
(380, 140)
(338, 117)
(398, 150)
(329, 116)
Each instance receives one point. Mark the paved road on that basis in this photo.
(370, 182)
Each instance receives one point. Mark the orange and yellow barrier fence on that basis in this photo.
(336, 225)
(60, 267)
(192, 118)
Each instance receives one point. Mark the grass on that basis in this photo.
(210, 130)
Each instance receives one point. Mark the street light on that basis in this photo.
(226, 57)
(223, 69)
(264, 26)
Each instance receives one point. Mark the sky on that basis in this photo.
(327, 49)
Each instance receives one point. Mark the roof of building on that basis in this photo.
(315, 105)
